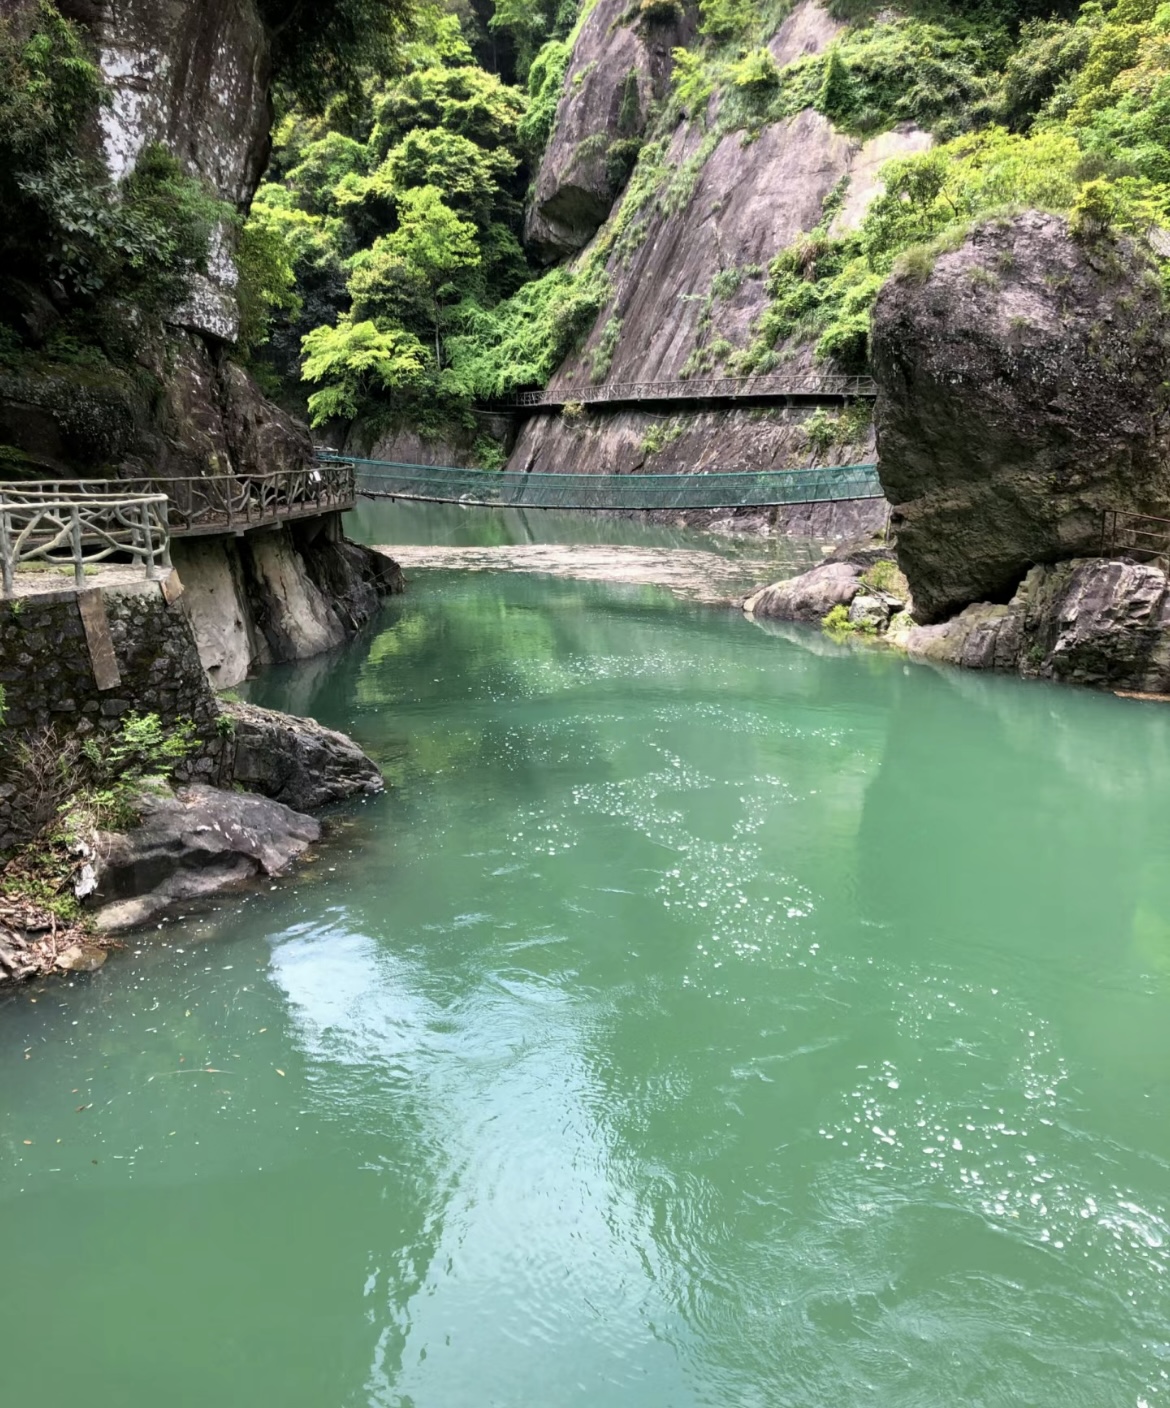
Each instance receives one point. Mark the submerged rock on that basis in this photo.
(190, 844)
(1024, 383)
(81, 958)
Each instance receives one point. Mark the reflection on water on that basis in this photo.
(703, 1019)
(441, 525)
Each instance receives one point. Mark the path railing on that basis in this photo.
(803, 386)
(639, 492)
(228, 503)
(1139, 534)
(234, 503)
(58, 526)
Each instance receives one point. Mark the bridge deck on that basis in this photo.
(637, 492)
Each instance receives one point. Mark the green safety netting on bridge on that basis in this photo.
(482, 487)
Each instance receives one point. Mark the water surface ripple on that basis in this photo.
(704, 1018)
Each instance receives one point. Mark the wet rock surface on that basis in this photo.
(1023, 392)
(191, 844)
(1098, 621)
(297, 761)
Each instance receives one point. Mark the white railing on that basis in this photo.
(63, 525)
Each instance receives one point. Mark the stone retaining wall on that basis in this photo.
(74, 663)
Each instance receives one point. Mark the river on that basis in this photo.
(705, 1017)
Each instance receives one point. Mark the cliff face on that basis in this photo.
(616, 71)
(1023, 393)
(688, 277)
(193, 76)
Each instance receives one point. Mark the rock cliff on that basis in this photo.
(1090, 621)
(619, 67)
(194, 78)
(1024, 391)
(687, 274)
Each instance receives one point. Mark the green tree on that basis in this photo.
(321, 48)
(356, 362)
(469, 178)
(434, 241)
(837, 95)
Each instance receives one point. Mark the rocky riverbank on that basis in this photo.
(127, 785)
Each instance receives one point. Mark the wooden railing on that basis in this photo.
(58, 526)
(234, 503)
(805, 386)
(228, 503)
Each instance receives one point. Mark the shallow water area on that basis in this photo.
(705, 1017)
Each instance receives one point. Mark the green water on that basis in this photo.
(704, 1019)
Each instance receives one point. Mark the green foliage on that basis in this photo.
(1050, 52)
(356, 362)
(694, 81)
(325, 47)
(266, 259)
(837, 93)
(661, 11)
(400, 218)
(756, 73)
(658, 436)
(822, 288)
(530, 23)
(606, 347)
(630, 106)
(465, 100)
(66, 225)
(521, 341)
(620, 159)
(838, 625)
(885, 576)
(546, 83)
(726, 19)
(489, 453)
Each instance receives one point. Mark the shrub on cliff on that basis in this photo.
(83, 256)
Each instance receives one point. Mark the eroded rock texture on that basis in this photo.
(1097, 621)
(297, 761)
(620, 65)
(190, 844)
(1023, 392)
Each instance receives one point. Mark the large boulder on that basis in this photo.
(188, 845)
(296, 761)
(809, 597)
(1023, 392)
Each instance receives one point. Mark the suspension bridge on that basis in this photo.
(76, 526)
(483, 488)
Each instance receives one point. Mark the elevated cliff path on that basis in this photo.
(789, 389)
(637, 492)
